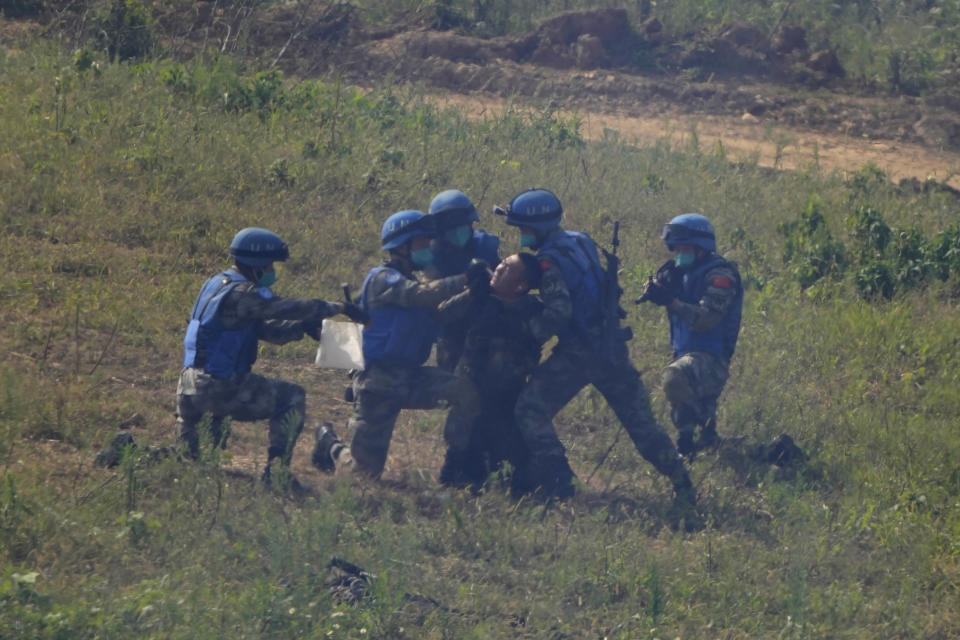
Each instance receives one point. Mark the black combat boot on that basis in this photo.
(685, 444)
(325, 449)
(283, 480)
(683, 512)
(462, 469)
(545, 477)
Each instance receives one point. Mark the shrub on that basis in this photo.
(810, 248)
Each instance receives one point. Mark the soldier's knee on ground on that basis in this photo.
(367, 461)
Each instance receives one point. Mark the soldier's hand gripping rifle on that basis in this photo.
(663, 286)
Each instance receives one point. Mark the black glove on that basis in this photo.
(478, 278)
(355, 313)
(312, 328)
(656, 293)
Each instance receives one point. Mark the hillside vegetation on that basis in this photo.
(121, 184)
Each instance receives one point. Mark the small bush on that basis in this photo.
(810, 248)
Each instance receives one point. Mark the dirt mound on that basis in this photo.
(593, 61)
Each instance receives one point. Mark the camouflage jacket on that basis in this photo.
(386, 290)
(279, 320)
(500, 349)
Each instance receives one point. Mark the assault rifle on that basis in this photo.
(666, 278)
(613, 313)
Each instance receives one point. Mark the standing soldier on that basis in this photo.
(703, 296)
(396, 343)
(456, 245)
(589, 350)
(234, 310)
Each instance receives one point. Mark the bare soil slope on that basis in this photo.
(768, 97)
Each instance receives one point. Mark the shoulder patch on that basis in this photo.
(545, 264)
(391, 277)
(721, 282)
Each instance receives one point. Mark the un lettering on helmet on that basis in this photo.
(403, 226)
(258, 247)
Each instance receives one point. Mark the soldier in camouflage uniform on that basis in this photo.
(233, 312)
(703, 296)
(456, 244)
(396, 343)
(499, 354)
(590, 350)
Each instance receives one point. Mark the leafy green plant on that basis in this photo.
(810, 247)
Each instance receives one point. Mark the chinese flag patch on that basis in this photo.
(722, 282)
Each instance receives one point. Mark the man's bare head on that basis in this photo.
(515, 276)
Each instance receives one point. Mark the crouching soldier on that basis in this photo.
(703, 296)
(233, 312)
(396, 344)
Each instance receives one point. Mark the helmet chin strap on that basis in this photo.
(249, 272)
(402, 253)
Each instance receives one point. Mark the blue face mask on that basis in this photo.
(458, 236)
(422, 258)
(683, 260)
(267, 278)
(528, 240)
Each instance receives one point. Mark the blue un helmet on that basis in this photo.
(256, 247)
(452, 208)
(689, 228)
(537, 209)
(404, 226)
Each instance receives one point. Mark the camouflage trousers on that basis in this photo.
(692, 384)
(250, 398)
(449, 350)
(572, 366)
(381, 392)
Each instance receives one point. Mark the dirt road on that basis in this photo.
(748, 137)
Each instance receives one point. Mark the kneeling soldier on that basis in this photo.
(233, 312)
(396, 343)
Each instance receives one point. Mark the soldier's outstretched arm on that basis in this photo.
(279, 320)
(244, 304)
(391, 288)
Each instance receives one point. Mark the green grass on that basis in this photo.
(119, 191)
